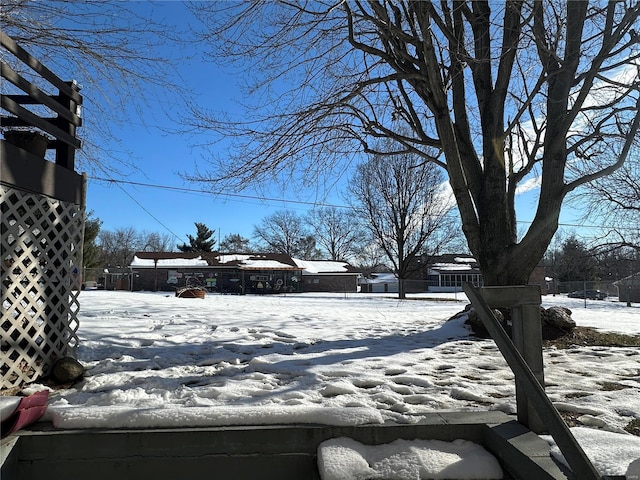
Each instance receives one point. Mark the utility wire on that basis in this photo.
(266, 199)
(208, 192)
(118, 182)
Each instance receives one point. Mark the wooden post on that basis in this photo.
(582, 467)
(155, 274)
(65, 154)
(524, 302)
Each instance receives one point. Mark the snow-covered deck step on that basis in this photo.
(256, 452)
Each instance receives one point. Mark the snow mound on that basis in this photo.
(127, 417)
(347, 459)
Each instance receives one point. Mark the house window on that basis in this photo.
(457, 279)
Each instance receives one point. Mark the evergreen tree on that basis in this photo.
(575, 262)
(91, 252)
(202, 242)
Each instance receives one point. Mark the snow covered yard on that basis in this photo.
(154, 360)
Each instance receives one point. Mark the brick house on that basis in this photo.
(238, 273)
(327, 276)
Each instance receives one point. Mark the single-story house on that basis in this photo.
(224, 273)
(238, 273)
(447, 273)
(629, 288)
(380, 283)
(327, 276)
(443, 274)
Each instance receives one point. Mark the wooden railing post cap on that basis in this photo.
(511, 296)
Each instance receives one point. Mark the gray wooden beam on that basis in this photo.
(570, 448)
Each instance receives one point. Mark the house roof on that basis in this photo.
(631, 280)
(139, 262)
(248, 261)
(242, 261)
(325, 267)
(452, 263)
(384, 277)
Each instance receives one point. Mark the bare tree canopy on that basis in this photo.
(285, 232)
(505, 92)
(122, 56)
(615, 201)
(116, 248)
(336, 231)
(398, 199)
(235, 243)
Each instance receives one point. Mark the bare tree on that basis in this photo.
(336, 230)
(116, 248)
(119, 246)
(235, 243)
(120, 53)
(156, 242)
(370, 258)
(398, 199)
(503, 91)
(615, 201)
(284, 232)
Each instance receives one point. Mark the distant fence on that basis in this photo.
(42, 217)
(550, 287)
(607, 288)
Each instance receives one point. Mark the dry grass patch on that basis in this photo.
(589, 337)
(612, 386)
(633, 427)
(577, 395)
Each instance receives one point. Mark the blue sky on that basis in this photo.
(160, 157)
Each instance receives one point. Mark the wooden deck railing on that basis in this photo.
(65, 104)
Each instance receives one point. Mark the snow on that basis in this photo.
(381, 278)
(346, 459)
(155, 360)
(321, 266)
(233, 258)
(465, 260)
(608, 459)
(168, 262)
(265, 265)
(451, 266)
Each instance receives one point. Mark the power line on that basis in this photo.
(578, 225)
(268, 199)
(207, 192)
(117, 182)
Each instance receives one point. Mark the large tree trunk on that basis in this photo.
(503, 91)
(402, 294)
(485, 198)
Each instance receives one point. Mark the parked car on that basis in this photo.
(90, 285)
(590, 294)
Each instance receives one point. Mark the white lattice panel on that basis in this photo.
(41, 255)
